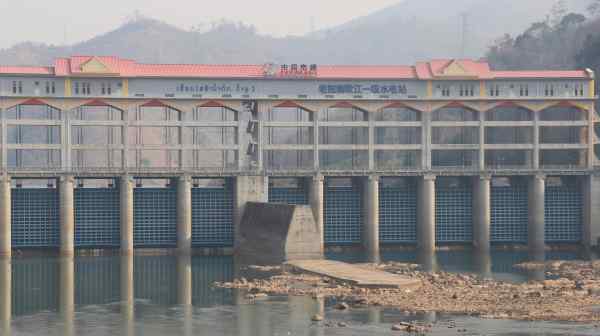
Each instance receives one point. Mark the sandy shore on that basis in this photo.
(573, 295)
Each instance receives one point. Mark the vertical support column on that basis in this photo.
(240, 141)
(591, 211)
(371, 135)
(126, 202)
(259, 140)
(67, 294)
(66, 141)
(67, 216)
(482, 213)
(537, 190)
(426, 221)
(536, 140)
(316, 202)
(247, 189)
(590, 136)
(426, 139)
(316, 158)
(481, 140)
(5, 217)
(184, 215)
(5, 295)
(371, 219)
(3, 142)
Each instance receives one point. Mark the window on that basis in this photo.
(494, 90)
(549, 90)
(578, 90)
(524, 90)
(47, 88)
(86, 88)
(445, 89)
(343, 114)
(105, 113)
(53, 88)
(466, 90)
(17, 87)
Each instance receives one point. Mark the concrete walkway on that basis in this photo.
(354, 274)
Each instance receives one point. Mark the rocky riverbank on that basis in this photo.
(572, 295)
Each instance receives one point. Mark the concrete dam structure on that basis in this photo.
(104, 152)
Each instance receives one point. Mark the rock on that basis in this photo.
(317, 318)
(455, 296)
(342, 324)
(399, 327)
(260, 296)
(342, 306)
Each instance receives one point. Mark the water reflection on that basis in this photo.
(127, 295)
(67, 294)
(174, 295)
(5, 295)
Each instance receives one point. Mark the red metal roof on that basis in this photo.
(541, 74)
(436, 69)
(26, 70)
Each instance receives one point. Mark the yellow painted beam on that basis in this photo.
(482, 92)
(125, 87)
(429, 89)
(592, 88)
(68, 87)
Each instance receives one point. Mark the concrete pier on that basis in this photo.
(316, 202)
(591, 210)
(126, 202)
(536, 236)
(371, 218)
(5, 295)
(426, 215)
(184, 291)
(67, 216)
(5, 216)
(247, 189)
(481, 213)
(184, 215)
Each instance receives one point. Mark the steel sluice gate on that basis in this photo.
(212, 213)
(97, 213)
(509, 210)
(343, 213)
(563, 210)
(35, 214)
(397, 210)
(288, 191)
(155, 213)
(453, 210)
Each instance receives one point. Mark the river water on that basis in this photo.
(164, 295)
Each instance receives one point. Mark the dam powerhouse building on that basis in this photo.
(100, 152)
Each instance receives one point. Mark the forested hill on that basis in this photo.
(567, 42)
(401, 34)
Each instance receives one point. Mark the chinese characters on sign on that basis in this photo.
(362, 89)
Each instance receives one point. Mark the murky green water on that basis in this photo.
(174, 296)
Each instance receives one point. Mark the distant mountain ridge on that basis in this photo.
(400, 34)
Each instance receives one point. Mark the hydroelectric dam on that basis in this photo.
(109, 153)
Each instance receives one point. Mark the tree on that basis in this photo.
(594, 7)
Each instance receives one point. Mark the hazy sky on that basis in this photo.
(54, 21)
